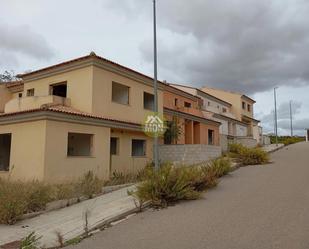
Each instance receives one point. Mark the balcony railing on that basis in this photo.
(34, 102)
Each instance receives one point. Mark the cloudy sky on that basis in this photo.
(243, 45)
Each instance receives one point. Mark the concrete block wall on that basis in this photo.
(246, 141)
(188, 153)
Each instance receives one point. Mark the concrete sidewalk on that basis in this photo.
(70, 221)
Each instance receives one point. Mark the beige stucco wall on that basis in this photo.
(124, 162)
(27, 150)
(61, 168)
(233, 98)
(102, 97)
(79, 87)
(5, 96)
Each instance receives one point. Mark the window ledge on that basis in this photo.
(139, 156)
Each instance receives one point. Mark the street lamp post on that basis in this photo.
(276, 119)
(155, 84)
(291, 118)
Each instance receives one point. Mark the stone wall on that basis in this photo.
(188, 153)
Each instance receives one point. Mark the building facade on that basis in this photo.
(85, 114)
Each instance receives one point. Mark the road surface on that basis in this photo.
(254, 207)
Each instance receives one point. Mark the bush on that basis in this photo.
(13, 203)
(254, 156)
(18, 198)
(248, 156)
(287, 140)
(166, 185)
(90, 185)
(220, 166)
(171, 184)
(38, 195)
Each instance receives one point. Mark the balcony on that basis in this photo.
(34, 102)
(192, 111)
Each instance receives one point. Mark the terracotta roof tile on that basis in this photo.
(67, 110)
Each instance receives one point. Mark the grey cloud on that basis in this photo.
(283, 113)
(299, 125)
(21, 40)
(247, 46)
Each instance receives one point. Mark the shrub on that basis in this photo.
(13, 203)
(38, 195)
(220, 166)
(166, 185)
(170, 184)
(90, 185)
(254, 156)
(236, 148)
(248, 156)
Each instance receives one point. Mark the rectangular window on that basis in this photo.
(80, 144)
(249, 108)
(209, 103)
(30, 92)
(176, 102)
(211, 134)
(114, 146)
(148, 101)
(59, 89)
(187, 104)
(5, 151)
(243, 105)
(120, 93)
(223, 109)
(138, 147)
(20, 95)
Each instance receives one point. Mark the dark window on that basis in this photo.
(208, 103)
(59, 89)
(243, 105)
(148, 101)
(211, 137)
(223, 109)
(138, 147)
(187, 104)
(120, 93)
(114, 146)
(80, 144)
(249, 108)
(20, 95)
(30, 92)
(176, 102)
(5, 151)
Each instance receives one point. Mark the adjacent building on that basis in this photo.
(233, 128)
(242, 109)
(184, 110)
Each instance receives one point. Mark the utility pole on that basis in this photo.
(291, 118)
(276, 118)
(155, 84)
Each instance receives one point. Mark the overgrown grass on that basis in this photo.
(170, 184)
(248, 156)
(287, 140)
(18, 198)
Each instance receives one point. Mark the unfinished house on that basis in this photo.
(242, 109)
(190, 137)
(231, 129)
(85, 114)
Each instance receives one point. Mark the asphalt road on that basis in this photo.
(254, 207)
